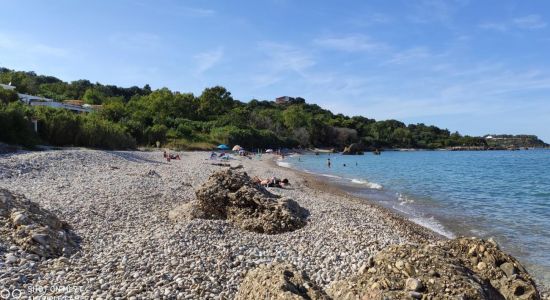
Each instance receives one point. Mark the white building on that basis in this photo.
(7, 87)
(41, 101)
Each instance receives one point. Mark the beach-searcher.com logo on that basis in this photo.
(10, 294)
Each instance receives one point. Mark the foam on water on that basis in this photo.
(434, 225)
(331, 176)
(284, 164)
(370, 185)
(404, 199)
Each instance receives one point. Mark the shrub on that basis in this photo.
(15, 126)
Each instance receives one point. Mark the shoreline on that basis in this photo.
(317, 182)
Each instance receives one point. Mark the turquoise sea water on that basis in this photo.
(500, 194)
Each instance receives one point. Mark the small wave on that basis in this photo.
(330, 176)
(404, 199)
(284, 164)
(371, 185)
(434, 225)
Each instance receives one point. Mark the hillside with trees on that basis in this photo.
(136, 116)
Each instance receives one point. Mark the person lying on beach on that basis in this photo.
(170, 156)
(271, 182)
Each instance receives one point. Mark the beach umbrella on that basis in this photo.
(223, 147)
(237, 148)
(269, 151)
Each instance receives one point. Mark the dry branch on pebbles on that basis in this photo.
(232, 195)
(34, 229)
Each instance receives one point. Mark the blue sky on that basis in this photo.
(473, 66)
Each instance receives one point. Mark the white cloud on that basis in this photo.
(284, 57)
(176, 10)
(352, 43)
(427, 11)
(410, 55)
(26, 47)
(135, 40)
(494, 26)
(207, 60)
(196, 12)
(530, 22)
(280, 61)
(526, 22)
(372, 19)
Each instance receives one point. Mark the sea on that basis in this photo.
(500, 194)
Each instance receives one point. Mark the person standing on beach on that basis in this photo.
(328, 162)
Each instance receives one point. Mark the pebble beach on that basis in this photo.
(118, 204)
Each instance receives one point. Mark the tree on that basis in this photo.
(93, 96)
(214, 102)
(7, 96)
(295, 117)
(114, 110)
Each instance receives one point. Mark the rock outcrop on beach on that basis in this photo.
(34, 229)
(353, 149)
(464, 268)
(232, 195)
(278, 281)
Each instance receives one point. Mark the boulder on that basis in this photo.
(213, 195)
(34, 229)
(353, 149)
(502, 271)
(232, 195)
(278, 282)
(464, 268)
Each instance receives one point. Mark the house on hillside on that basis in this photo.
(42, 101)
(282, 100)
(291, 100)
(7, 86)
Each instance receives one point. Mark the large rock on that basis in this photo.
(502, 271)
(353, 149)
(278, 282)
(455, 269)
(34, 229)
(231, 195)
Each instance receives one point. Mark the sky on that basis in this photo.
(477, 67)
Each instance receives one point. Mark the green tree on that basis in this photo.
(7, 96)
(94, 96)
(214, 102)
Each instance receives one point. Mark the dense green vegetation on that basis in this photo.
(139, 116)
